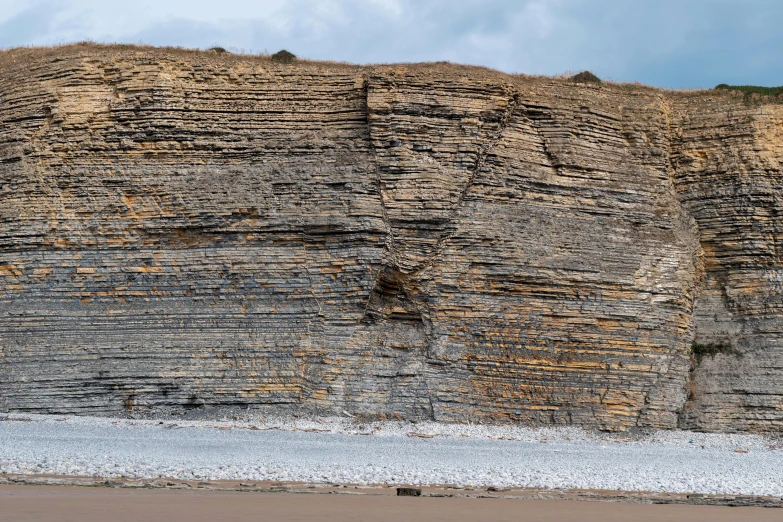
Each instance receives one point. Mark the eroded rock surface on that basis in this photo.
(183, 230)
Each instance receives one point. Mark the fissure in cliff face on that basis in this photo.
(186, 231)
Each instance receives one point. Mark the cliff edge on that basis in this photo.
(184, 231)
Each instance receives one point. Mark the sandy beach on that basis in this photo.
(80, 504)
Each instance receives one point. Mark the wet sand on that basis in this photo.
(82, 504)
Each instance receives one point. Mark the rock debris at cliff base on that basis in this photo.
(337, 451)
(188, 231)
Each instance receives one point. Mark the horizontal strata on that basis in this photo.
(182, 231)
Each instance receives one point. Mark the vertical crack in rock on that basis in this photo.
(309, 276)
(429, 143)
(512, 104)
(729, 159)
(398, 294)
(313, 337)
(389, 243)
(485, 151)
(379, 182)
(536, 115)
(687, 233)
(605, 187)
(689, 227)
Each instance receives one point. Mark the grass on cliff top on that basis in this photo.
(754, 95)
(30, 53)
(752, 89)
(26, 55)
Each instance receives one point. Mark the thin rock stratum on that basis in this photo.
(184, 231)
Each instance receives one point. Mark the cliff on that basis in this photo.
(186, 231)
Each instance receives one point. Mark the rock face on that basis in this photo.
(185, 231)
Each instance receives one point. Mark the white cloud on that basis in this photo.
(393, 8)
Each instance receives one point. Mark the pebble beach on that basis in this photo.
(341, 450)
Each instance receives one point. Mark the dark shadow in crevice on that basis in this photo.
(390, 299)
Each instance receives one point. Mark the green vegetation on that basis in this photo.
(219, 50)
(752, 89)
(283, 57)
(585, 77)
(700, 350)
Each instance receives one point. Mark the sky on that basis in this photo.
(665, 43)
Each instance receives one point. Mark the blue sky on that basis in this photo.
(667, 43)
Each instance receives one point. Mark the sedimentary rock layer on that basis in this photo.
(187, 230)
